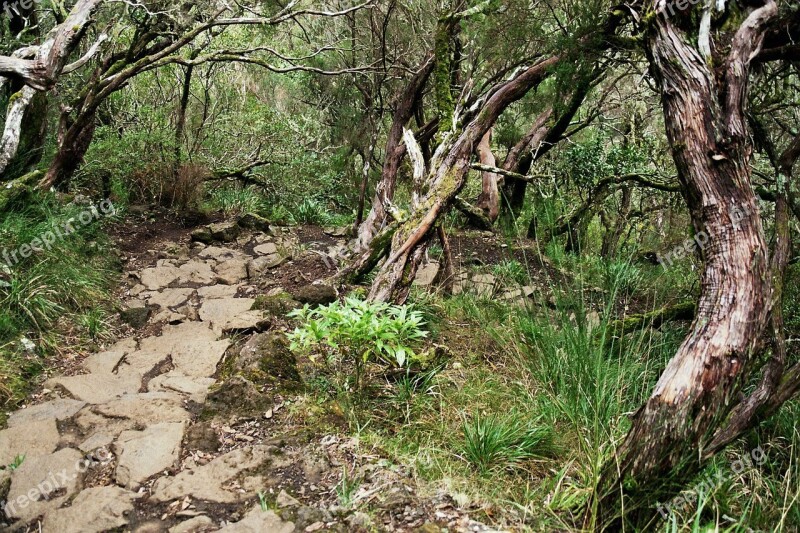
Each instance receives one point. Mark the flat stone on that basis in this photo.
(143, 454)
(93, 511)
(257, 521)
(106, 362)
(232, 271)
(221, 310)
(135, 411)
(219, 253)
(31, 440)
(196, 272)
(427, 275)
(206, 482)
(196, 387)
(198, 524)
(284, 500)
(159, 278)
(142, 362)
(216, 292)
(95, 442)
(44, 484)
(169, 317)
(247, 323)
(58, 410)
(269, 248)
(193, 346)
(97, 388)
(171, 297)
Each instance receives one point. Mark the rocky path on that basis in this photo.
(193, 422)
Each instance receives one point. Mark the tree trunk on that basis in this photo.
(443, 183)
(489, 200)
(395, 151)
(705, 123)
(180, 123)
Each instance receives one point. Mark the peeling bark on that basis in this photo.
(706, 126)
(489, 200)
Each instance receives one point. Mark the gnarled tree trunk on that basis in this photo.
(706, 126)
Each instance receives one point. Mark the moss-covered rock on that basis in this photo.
(315, 295)
(236, 397)
(278, 304)
(267, 359)
(254, 222)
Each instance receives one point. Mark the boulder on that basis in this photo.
(315, 295)
(267, 358)
(277, 304)
(254, 222)
(223, 232)
(136, 317)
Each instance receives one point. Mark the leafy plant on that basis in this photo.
(17, 462)
(359, 331)
(511, 271)
(347, 487)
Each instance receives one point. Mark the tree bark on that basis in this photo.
(443, 183)
(706, 126)
(395, 151)
(489, 200)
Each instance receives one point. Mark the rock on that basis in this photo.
(258, 521)
(136, 411)
(44, 484)
(219, 311)
(206, 482)
(93, 511)
(277, 304)
(359, 521)
(97, 388)
(169, 317)
(247, 323)
(57, 410)
(193, 347)
(106, 362)
(136, 317)
(216, 292)
(171, 297)
(484, 285)
(197, 272)
(427, 275)
(143, 454)
(232, 271)
(220, 254)
(259, 265)
(269, 248)
(28, 441)
(344, 231)
(96, 442)
(159, 278)
(198, 524)
(238, 396)
(284, 500)
(315, 295)
(191, 313)
(196, 387)
(213, 233)
(267, 358)
(254, 222)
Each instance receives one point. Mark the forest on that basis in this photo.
(399, 265)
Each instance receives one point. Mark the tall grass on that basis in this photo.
(53, 293)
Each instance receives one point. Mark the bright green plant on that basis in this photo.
(358, 331)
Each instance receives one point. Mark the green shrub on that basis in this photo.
(357, 332)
